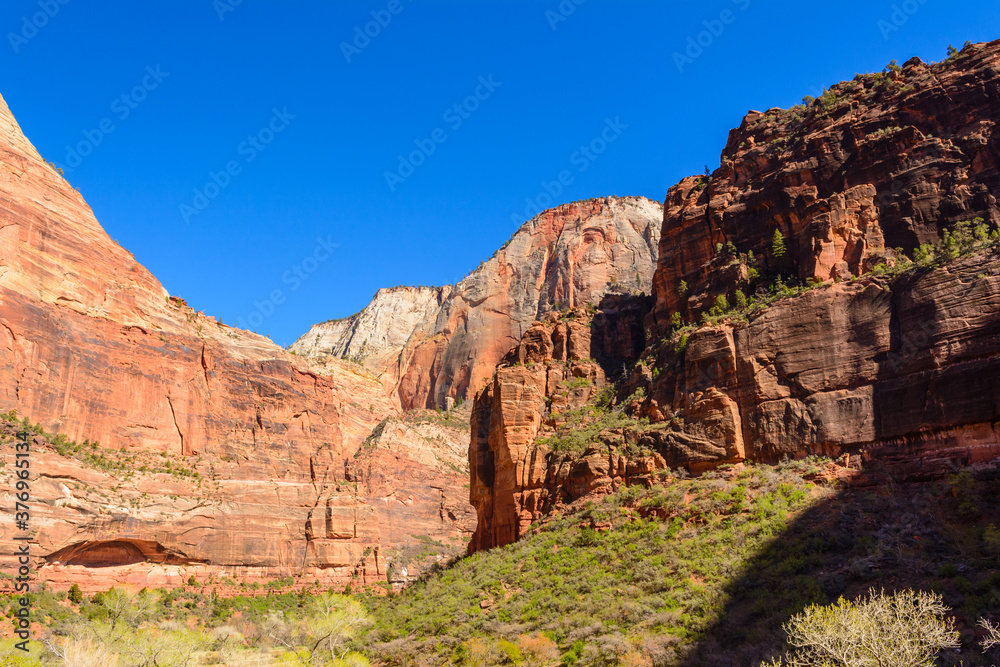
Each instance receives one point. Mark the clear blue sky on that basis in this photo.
(323, 174)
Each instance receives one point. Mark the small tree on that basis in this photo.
(905, 629)
(332, 621)
(778, 245)
(75, 594)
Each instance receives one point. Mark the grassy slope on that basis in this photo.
(702, 572)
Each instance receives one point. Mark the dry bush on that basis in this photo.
(538, 650)
(905, 629)
(87, 653)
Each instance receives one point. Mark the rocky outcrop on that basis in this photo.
(862, 176)
(377, 335)
(569, 256)
(884, 161)
(903, 370)
(92, 347)
(526, 456)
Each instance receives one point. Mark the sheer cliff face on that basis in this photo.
(53, 250)
(92, 347)
(377, 335)
(902, 370)
(568, 256)
(883, 161)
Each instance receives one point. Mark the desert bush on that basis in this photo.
(905, 629)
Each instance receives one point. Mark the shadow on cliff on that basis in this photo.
(617, 332)
(940, 535)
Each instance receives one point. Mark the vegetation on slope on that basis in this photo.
(187, 628)
(701, 571)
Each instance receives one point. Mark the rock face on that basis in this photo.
(868, 172)
(569, 256)
(378, 334)
(520, 468)
(92, 347)
(881, 162)
(904, 370)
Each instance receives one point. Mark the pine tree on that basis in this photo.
(778, 245)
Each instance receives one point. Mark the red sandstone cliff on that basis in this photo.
(904, 370)
(881, 162)
(431, 344)
(92, 347)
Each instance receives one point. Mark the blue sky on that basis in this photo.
(288, 134)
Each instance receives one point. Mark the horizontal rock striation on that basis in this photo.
(550, 378)
(92, 347)
(903, 370)
(881, 162)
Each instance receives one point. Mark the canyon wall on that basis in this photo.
(899, 368)
(569, 256)
(92, 347)
(881, 162)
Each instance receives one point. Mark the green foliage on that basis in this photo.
(644, 587)
(720, 308)
(682, 344)
(581, 427)
(123, 465)
(778, 250)
(963, 238)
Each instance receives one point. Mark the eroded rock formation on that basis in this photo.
(569, 256)
(884, 161)
(903, 370)
(92, 347)
(524, 460)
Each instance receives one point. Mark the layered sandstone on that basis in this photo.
(521, 463)
(881, 162)
(377, 335)
(92, 347)
(903, 370)
(569, 256)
